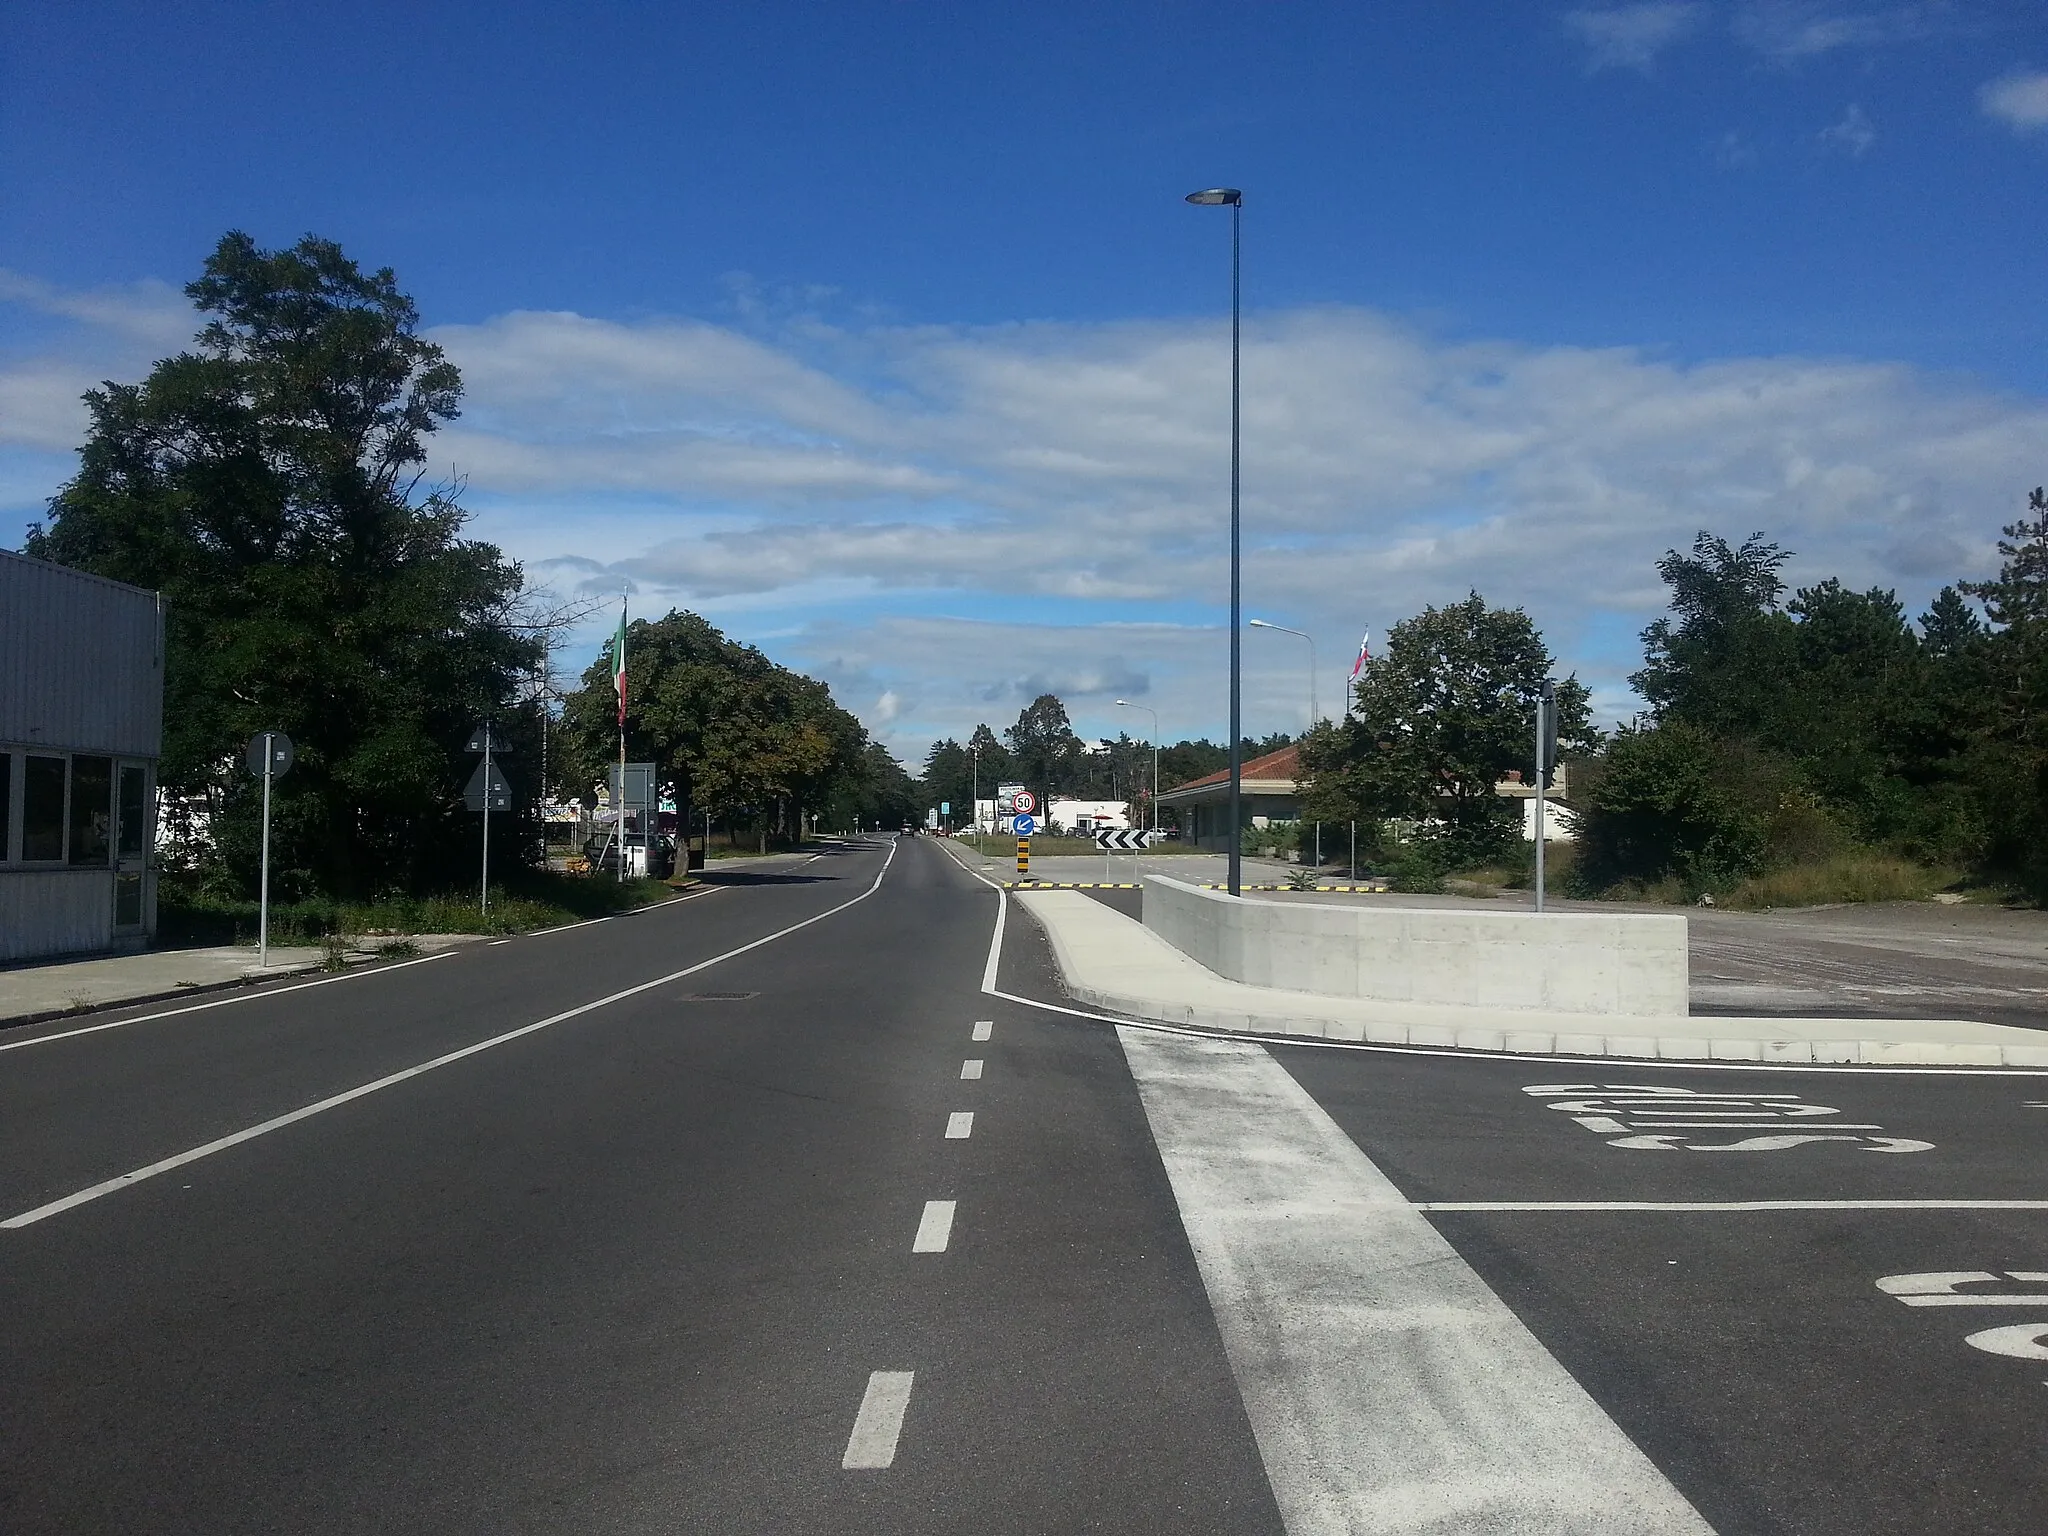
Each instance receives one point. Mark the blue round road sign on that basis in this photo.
(1023, 826)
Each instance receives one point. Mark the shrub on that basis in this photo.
(1674, 802)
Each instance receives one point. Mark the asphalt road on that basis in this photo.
(651, 1265)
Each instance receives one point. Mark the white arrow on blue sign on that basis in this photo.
(1023, 826)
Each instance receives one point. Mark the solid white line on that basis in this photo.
(960, 1125)
(1389, 1390)
(136, 1176)
(934, 1228)
(879, 1422)
(995, 941)
(983, 1028)
(1732, 1205)
(222, 1002)
(970, 1070)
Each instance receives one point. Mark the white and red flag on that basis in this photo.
(1364, 655)
(619, 665)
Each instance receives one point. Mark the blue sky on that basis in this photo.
(880, 334)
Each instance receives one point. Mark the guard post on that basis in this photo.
(1023, 858)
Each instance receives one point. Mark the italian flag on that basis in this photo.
(619, 665)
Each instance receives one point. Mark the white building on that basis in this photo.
(1079, 818)
(81, 726)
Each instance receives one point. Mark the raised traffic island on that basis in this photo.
(1553, 962)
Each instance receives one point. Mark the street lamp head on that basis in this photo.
(1258, 624)
(1123, 703)
(1217, 197)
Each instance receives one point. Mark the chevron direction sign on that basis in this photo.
(1127, 842)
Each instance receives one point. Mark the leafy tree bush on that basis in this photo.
(265, 482)
(1438, 720)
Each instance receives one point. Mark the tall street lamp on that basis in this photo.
(1127, 704)
(1218, 197)
(1314, 714)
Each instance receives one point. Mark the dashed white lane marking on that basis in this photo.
(879, 1424)
(1388, 1388)
(496, 942)
(983, 1028)
(960, 1125)
(934, 1228)
(221, 1002)
(335, 1101)
(970, 1070)
(1732, 1205)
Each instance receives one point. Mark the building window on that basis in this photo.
(6, 806)
(134, 811)
(128, 900)
(92, 810)
(42, 809)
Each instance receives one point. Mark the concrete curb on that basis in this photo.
(169, 994)
(1286, 1014)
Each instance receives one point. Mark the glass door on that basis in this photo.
(131, 846)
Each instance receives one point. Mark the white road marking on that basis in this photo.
(960, 1125)
(221, 1002)
(2022, 1341)
(150, 1171)
(983, 1028)
(496, 942)
(879, 1423)
(1731, 1205)
(970, 1070)
(1388, 1388)
(934, 1228)
(1937, 1288)
(995, 940)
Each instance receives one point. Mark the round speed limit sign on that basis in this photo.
(1026, 802)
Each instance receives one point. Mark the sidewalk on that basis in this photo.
(31, 993)
(1113, 961)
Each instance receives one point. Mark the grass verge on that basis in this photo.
(1844, 877)
(533, 899)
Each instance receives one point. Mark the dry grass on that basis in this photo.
(1843, 877)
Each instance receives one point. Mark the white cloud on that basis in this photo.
(1631, 36)
(2019, 100)
(1787, 31)
(959, 517)
(1852, 135)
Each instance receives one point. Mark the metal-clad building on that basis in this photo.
(81, 727)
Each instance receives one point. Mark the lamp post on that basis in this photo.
(1127, 704)
(1314, 714)
(1230, 197)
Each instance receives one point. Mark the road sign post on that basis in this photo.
(1546, 749)
(269, 755)
(1023, 858)
(487, 787)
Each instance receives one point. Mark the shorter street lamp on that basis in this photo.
(1127, 704)
(1314, 714)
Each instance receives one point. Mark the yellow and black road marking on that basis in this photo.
(1071, 885)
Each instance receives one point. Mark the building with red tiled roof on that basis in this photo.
(1267, 791)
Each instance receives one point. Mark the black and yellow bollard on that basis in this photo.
(1023, 858)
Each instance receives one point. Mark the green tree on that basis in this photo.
(1439, 720)
(948, 779)
(1044, 751)
(265, 482)
(742, 738)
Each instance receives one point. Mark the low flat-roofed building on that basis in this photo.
(81, 728)
(1267, 791)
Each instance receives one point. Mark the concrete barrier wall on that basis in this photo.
(1570, 962)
